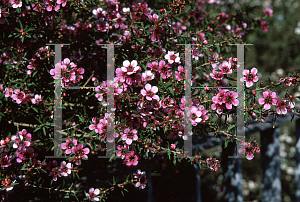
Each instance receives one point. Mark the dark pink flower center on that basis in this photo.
(150, 93)
(68, 75)
(167, 102)
(164, 69)
(130, 135)
(131, 158)
(130, 68)
(268, 99)
(173, 57)
(228, 99)
(249, 149)
(181, 74)
(250, 77)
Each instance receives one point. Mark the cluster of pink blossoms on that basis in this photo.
(269, 98)
(23, 145)
(76, 150)
(49, 5)
(288, 81)
(69, 72)
(21, 97)
(64, 169)
(224, 99)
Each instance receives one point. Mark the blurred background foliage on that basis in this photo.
(275, 54)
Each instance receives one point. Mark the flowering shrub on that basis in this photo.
(149, 86)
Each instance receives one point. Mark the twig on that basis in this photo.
(49, 188)
(88, 80)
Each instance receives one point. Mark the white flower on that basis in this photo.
(130, 67)
(16, 3)
(171, 57)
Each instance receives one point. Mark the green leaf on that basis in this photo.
(20, 24)
(38, 120)
(230, 127)
(171, 90)
(218, 48)
(226, 143)
(44, 131)
(35, 109)
(37, 128)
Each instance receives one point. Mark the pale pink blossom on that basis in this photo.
(150, 92)
(250, 77)
(172, 57)
(36, 99)
(92, 195)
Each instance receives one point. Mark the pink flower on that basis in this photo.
(173, 146)
(65, 168)
(5, 160)
(218, 99)
(8, 92)
(55, 173)
(25, 155)
(92, 195)
(216, 75)
(18, 96)
(282, 107)
(63, 2)
(164, 69)
(36, 99)
(172, 57)
(94, 125)
(153, 66)
(195, 115)
(268, 99)
(102, 25)
(288, 82)
(167, 102)
(16, 3)
(147, 76)
(129, 135)
(249, 148)
(121, 150)
(80, 153)
(289, 107)
(141, 177)
(21, 140)
(230, 99)
(131, 159)
(180, 74)
(150, 92)
(130, 67)
(119, 21)
(250, 77)
(218, 107)
(99, 13)
(268, 12)
(264, 25)
(68, 145)
(225, 67)
(213, 163)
